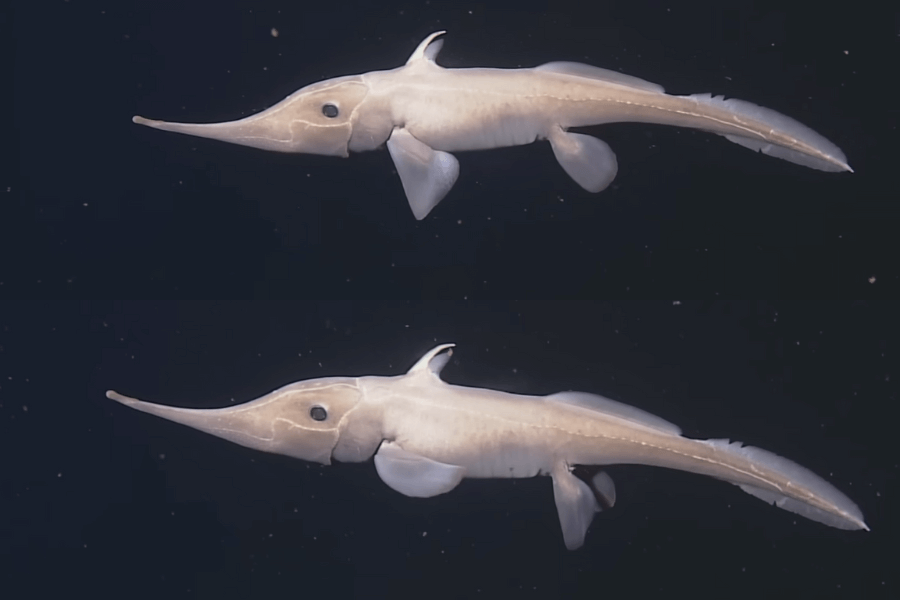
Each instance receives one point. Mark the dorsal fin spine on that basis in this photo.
(427, 50)
(432, 361)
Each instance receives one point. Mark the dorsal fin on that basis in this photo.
(617, 409)
(433, 361)
(428, 49)
(592, 72)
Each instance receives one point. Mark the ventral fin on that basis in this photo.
(587, 160)
(427, 175)
(575, 503)
(433, 361)
(600, 482)
(414, 475)
(428, 49)
(605, 488)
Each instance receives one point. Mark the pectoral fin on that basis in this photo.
(427, 175)
(576, 504)
(587, 160)
(414, 475)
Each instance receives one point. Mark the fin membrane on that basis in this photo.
(414, 475)
(427, 175)
(774, 119)
(587, 160)
(577, 69)
(596, 403)
(801, 508)
(575, 504)
(605, 488)
(849, 515)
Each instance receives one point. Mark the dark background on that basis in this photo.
(736, 295)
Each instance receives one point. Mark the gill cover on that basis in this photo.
(300, 420)
(313, 120)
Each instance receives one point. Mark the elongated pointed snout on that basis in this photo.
(300, 420)
(313, 120)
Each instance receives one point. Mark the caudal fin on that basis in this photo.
(804, 492)
(813, 149)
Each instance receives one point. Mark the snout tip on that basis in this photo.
(142, 121)
(113, 395)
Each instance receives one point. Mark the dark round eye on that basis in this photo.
(330, 110)
(318, 413)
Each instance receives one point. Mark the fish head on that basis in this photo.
(301, 420)
(316, 119)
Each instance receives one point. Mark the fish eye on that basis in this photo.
(330, 110)
(318, 413)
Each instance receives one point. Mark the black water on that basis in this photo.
(736, 295)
